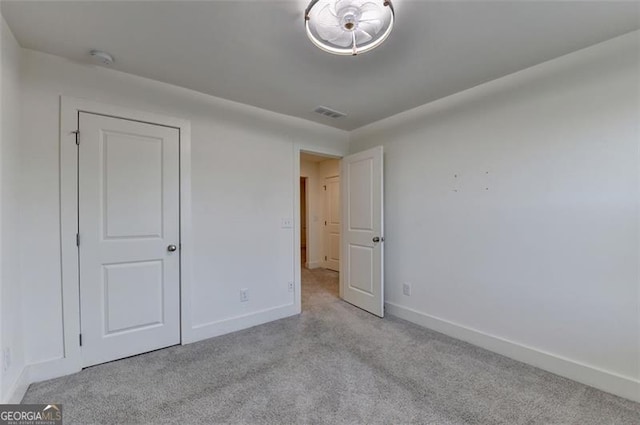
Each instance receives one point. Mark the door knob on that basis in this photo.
(377, 239)
(171, 248)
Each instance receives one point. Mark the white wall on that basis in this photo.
(532, 250)
(10, 294)
(242, 186)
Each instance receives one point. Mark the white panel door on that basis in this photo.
(361, 275)
(332, 223)
(128, 200)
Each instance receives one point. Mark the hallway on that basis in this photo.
(319, 286)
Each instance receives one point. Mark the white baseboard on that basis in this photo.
(38, 372)
(54, 368)
(313, 264)
(57, 367)
(19, 388)
(237, 323)
(610, 382)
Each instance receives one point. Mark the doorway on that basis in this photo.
(73, 141)
(360, 219)
(320, 216)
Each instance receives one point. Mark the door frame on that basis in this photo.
(305, 181)
(69, 111)
(297, 267)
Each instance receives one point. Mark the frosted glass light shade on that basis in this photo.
(349, 27)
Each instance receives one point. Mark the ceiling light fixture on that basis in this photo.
(349, 27)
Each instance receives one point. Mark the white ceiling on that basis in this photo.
(256, 52)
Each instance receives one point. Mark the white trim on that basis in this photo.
(50, 369)
(297, 258)
(237, 323)
(307, 236)
(297, 261)
(69, 107)
(37, 372)
(604, 380)
(313, 264)
(16, 392)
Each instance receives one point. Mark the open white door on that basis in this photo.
(361, 271)
(128, 237)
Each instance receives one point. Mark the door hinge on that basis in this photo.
(325, 187)
(325, 258)
(325, 222)
(77, 133)
(77, 239)
(80, 339)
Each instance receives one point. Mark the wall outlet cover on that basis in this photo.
(406, 289)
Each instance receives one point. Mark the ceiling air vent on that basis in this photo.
(323, 110)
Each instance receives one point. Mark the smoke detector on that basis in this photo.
(101, 57)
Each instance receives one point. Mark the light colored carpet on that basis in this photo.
(333, 364)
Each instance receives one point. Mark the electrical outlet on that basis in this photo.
(290, 286)
(6, 359)
(244, 295)
(406, 289)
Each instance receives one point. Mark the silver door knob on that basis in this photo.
(376, 239)
(171, 248)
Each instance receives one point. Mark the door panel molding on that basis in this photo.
(70, 107)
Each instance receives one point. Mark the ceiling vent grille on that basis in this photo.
(323, 110)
